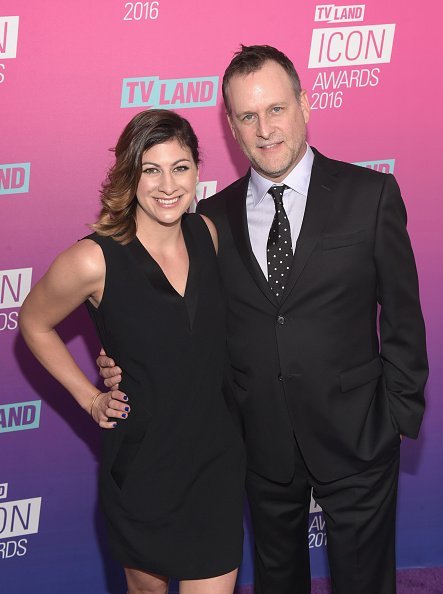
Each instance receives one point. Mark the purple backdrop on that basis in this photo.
(72, 74)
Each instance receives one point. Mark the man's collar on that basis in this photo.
(297, 179)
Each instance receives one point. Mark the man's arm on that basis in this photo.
(402, 330)
(109, 371)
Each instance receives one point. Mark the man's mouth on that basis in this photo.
(270, 145)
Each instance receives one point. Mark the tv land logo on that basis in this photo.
(17, 519)
(14, 178)
(8, 41)
(14, 287)
(330, 13)
(174, 93)
(20, 416)
(383, 166)
(359, 46)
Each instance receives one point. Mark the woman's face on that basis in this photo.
(167, 184)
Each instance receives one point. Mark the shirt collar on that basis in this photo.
(298, 179)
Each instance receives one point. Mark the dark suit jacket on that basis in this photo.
(313, 365)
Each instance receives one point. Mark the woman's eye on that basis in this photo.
(182, 168)
(150, 170)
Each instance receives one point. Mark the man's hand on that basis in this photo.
(111, 374)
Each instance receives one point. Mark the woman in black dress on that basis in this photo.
(171, 477)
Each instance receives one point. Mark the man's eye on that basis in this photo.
(248, 117)
(277, 109)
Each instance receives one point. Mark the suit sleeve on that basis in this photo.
(201, 207)
(402, 331)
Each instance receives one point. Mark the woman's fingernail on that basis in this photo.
(114, 425)
(124, 415)
(126, 408)
(125, 397)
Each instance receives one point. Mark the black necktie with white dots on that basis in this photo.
(279, 247)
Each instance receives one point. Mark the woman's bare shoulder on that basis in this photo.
(84, 258)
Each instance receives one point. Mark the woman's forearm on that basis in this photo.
(53, 354)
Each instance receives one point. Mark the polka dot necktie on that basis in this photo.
(279, 247)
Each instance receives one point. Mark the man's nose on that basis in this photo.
(264, 127)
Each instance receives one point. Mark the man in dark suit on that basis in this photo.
(321, 384)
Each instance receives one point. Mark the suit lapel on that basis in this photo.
(236, 211)
(318, 205)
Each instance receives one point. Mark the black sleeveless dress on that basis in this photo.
(172, 473)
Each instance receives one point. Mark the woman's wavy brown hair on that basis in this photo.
(118, 194)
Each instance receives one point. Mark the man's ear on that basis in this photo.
(305, 107)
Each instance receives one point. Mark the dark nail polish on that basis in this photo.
(126, 408)
(125, 398)
(124, 415)
(114, 425)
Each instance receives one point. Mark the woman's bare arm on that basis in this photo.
(76, 275)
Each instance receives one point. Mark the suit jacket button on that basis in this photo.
(280, 378)
(280, 320)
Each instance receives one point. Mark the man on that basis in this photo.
(308, 247)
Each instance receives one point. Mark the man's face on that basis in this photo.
(267, 120)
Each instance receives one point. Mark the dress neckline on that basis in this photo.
(160, 269)
(159, 281)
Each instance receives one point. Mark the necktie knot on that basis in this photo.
(277, 194)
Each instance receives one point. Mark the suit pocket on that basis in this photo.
(358, 376)
(331, 242)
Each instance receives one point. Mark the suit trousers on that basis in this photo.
(359, 513)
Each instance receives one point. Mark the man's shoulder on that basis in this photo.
(351, 171)
(217, 202)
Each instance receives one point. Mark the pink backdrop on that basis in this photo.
(72, 74)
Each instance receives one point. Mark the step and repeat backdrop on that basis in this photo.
(72, 74)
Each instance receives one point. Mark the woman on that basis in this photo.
(171, 477)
